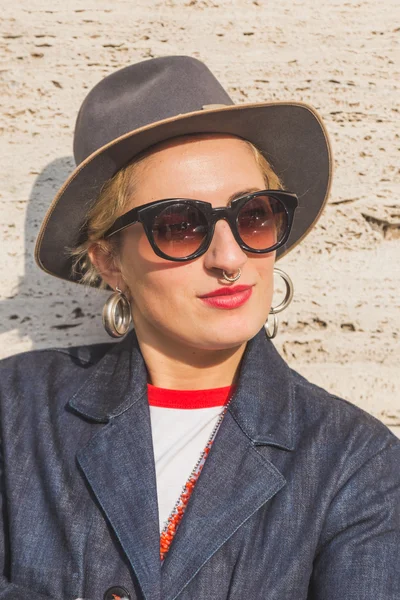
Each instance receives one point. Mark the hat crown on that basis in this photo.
(142, 94)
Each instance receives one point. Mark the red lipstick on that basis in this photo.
(228, 297)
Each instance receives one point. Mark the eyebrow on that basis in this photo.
(242, 193)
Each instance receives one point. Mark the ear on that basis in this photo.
(105, 260)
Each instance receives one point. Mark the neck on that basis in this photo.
(173, 365)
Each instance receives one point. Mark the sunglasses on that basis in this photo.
(179, 229)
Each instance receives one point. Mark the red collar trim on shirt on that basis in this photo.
(165, 398)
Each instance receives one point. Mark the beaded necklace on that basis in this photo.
(171, 524)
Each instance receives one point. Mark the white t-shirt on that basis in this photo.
(182, 422)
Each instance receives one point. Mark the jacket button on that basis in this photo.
(117, 593)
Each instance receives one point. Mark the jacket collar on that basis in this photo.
(117, 382)
(263, 405)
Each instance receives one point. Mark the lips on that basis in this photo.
(227, 291)
(228, 298)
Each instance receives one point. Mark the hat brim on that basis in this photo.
(290, 135)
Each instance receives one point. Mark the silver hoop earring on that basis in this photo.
(234, 278)
(285, 302)
(117, 314)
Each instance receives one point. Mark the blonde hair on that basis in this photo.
(114, 198)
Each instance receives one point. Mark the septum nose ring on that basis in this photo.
(234, 277)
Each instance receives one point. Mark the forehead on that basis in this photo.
(200, 143)
(201, 166)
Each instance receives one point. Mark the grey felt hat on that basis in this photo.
(161, 98)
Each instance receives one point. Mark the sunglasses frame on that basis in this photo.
(146, 214)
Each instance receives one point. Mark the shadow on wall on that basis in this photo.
(42, 310)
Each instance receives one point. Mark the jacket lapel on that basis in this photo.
(235, 482)
(236, 479)
(118, 460)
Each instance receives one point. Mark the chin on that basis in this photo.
(223, 336)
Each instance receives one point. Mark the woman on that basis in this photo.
(174, 208)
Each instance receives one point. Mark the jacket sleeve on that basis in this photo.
(359, 552)
(8, 590)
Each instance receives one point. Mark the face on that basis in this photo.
(167, 298)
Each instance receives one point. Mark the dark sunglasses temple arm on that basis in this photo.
(122, 222)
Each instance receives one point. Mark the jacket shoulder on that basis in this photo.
(23, 374)
(79, 356)
(337, 418)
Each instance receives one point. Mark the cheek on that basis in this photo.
(137, 258)
(264, 265)
(265, 271)
(164, 298)
(156, 284)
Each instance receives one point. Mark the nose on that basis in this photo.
(224, 253)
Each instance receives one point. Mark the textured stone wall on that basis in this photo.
(342, 329)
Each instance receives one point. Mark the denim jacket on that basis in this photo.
(299, 497)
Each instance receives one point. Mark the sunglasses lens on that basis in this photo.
(179, 230)
(262, 222)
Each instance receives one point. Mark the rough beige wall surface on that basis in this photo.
(342, 329)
